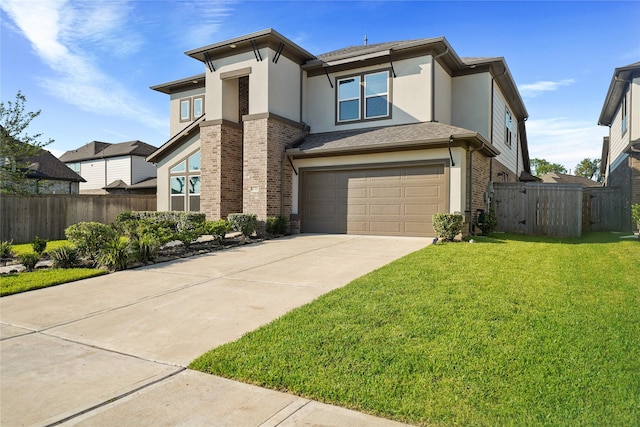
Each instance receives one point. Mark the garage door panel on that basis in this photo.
(383, 200)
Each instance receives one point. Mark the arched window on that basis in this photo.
(184, 184)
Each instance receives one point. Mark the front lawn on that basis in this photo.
(24, 248)
(506, 331)
(22, 282)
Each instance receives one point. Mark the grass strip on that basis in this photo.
(513, 330)
(22, 282)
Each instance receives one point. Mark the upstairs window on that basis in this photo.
(184, 182)
(508, 129)
(623, 109)
(185, 110)
(363, 97)
(198, 106)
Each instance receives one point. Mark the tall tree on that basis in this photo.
(16, 146)
(541, 167)
(588, 168)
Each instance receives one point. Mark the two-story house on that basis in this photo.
(370, 139)
(620, 163)
(110, 167)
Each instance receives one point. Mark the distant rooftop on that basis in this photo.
(100, 150)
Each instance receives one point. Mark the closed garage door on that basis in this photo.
(398, 200)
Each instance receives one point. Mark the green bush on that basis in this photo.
(39, 245)
(29, 260)
(447, 225)
(175, 220)
(635, 213)
(145, 246)
(218, 229)
(6, 249)
(64, 257)
(489, 224)
(247, 224)
(89, 238)
(115, 254)
(276, 225)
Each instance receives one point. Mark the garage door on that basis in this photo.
(396, 201)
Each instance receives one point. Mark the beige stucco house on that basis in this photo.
(620, 163)
(370, 139)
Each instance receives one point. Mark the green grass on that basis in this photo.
(22, 282)
(24, 248)
(508, 331)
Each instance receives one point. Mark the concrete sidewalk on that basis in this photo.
(112, 350)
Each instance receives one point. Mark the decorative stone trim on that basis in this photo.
(272, 116)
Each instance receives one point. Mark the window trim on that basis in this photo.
(363, 98)
(186, 174)
(193, 106)
(624, 115)
(180, 111)
(508, 131)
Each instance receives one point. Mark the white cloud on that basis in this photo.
(64, 34)
(532, 90)
(211, 16)
(559, 140)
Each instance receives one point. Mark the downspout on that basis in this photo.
(470, 196)
(433, 83)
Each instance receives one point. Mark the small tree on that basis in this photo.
(588, 168)
(541, 167)
(16, 146)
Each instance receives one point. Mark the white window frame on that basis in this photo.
(508, 128)
(366, 115)
(358, 98)
(185, 107)
(186, 172)
(624, 115)
(195, 101)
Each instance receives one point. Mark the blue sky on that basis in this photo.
(88, 64)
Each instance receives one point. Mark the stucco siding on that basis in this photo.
(163, 166)
(175, 125)
(457, 173)
(443, 89)
(284, 88)
(410, 96)
(140, 169)
(471, 103)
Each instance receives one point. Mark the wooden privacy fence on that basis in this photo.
(564, 210)
(47, 215)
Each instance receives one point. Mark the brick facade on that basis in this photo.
(627, 177)
(221, 169)
(267, 176)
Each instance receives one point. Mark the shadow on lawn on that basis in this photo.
(591, 237)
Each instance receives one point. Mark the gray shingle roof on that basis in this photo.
(99, 150)
(384, 137)
(350, 51)
(563, 178)
(46, 166)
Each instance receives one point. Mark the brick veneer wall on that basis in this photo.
(267, 179)
(627, 177)
(221, 168)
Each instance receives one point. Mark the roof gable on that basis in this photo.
(99, 150)
(46, 166)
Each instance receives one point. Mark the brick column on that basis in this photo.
(221, 168)
(267, 181)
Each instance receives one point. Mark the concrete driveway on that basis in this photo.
(112, 350)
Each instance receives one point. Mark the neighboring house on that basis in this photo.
(48, 175)
(370, 139)
(111, 167)
(620, 163)
(563, 178)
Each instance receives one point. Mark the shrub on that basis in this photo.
(447, 225)
(6, 249)
(29, 260)
(489, 224)
(276, 225)
(64, 257)
(218, 229)
(39, 245)
(146, 246)
(247, 224)
(635, 213)
(115, 254)
(89, 238)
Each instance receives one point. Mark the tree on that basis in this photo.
(541, 167)
(588, 168)
(16, 146)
